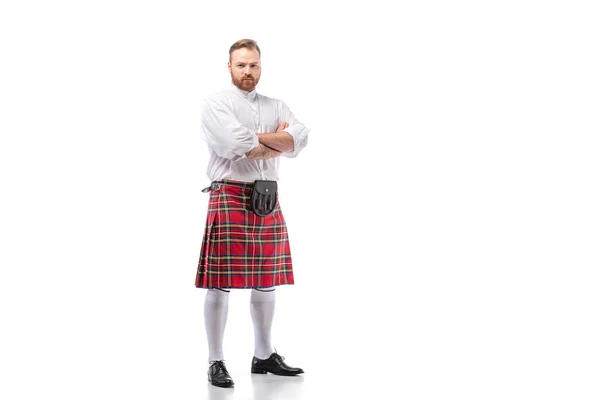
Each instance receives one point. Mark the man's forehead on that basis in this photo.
(245, 55)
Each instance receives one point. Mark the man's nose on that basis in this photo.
(247, 70)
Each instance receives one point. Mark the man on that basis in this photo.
(243, 247)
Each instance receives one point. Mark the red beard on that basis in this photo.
(245, 83)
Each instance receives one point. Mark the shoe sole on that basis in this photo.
(263, 371)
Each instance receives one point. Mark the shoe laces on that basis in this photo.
(219, 365)
(279, 356)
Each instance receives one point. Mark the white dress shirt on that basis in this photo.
(230, 121)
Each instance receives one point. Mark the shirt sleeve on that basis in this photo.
(224, 133)
(296, 128)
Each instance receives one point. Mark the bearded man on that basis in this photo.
(245, 243)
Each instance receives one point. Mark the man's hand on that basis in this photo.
(282, 126)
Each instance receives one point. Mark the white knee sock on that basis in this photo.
(262, 309)
(216, 307)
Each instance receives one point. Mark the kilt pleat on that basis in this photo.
(239, 248)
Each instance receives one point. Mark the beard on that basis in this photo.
(247, 83)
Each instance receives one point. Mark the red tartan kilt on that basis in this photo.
(241, 249)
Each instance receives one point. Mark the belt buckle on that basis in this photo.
(213, 186)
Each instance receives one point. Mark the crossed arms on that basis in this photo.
(272, 144)
(230, 139)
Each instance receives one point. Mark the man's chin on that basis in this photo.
(247, 85)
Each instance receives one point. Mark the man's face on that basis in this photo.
(244, 68)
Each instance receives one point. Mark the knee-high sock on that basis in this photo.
(216, 307)
(262, 309)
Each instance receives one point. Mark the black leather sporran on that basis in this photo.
(263, 199)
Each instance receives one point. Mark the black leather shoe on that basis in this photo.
(218, 375)
(275, 365)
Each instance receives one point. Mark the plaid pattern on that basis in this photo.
(239, 248)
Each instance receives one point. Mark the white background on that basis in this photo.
(444, 217)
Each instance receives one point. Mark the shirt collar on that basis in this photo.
(250, 96)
